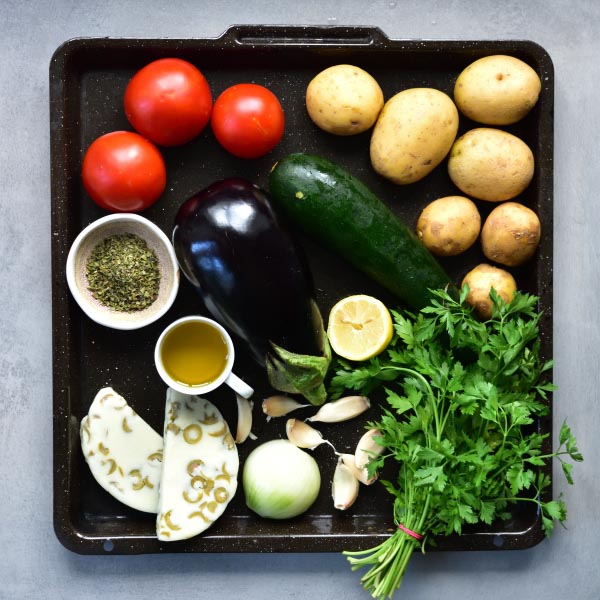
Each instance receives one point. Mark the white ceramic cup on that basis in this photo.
(227, 376)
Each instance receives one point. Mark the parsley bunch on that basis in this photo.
(463, 401)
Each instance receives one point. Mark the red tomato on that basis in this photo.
(123, 172)
(168, 101)
(248, 120)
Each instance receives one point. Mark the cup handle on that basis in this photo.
(239, 386)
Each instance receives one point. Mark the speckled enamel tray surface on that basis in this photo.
(87, 81)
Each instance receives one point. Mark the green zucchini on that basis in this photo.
(339, 211)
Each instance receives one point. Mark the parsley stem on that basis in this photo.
(461, 428)
(432, 397)
(388, 561)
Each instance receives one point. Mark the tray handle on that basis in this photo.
(253, 35)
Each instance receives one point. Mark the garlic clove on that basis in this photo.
(344, 488)
(367, 448)
(279, 406)
(341, 410)
(361, 474)
(244, 421)
(303, 435)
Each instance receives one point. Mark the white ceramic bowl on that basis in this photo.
(83, 245)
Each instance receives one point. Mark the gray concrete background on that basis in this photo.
(32, 562)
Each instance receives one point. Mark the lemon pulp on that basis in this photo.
(359, 327)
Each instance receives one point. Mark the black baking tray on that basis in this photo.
(87, 80)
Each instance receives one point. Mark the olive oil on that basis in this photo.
(194, 353)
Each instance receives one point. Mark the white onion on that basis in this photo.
(280, 480)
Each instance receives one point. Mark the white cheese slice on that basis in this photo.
(199, 469)
(123, 452)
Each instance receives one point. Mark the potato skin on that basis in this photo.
(413, 134)
(497, 90)
(344, 100)
(510, 234)
(490, 164)
(481, 280)
(449, 226)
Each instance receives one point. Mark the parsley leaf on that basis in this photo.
(463, 398)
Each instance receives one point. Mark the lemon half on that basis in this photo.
(359, 327)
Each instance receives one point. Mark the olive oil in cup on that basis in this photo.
(194, 355)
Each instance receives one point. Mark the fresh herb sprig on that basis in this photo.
(463, 400)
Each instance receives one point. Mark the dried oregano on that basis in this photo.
(123, 273)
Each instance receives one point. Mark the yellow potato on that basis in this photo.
(481, 280)
(490, 164)
(497, 90)
(413, 134)
(448, 226)
(510, 234)
(344, 100)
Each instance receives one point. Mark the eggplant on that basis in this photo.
(255, 280)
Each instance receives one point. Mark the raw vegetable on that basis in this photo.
(480, 281)
(244, 419)
(497, 90)
(361, 475)
(254, 280)
(123, 172)
(413, 134)
(490, 164)
(302, 435)
(461, 398)
(280, 480)
(342, 409)
(344, 100)
(337, 209)
(168, 101)
(279, 406)
(510, 234)
(367, 448)
(248, 120)
(344, 487)
(449, 226)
